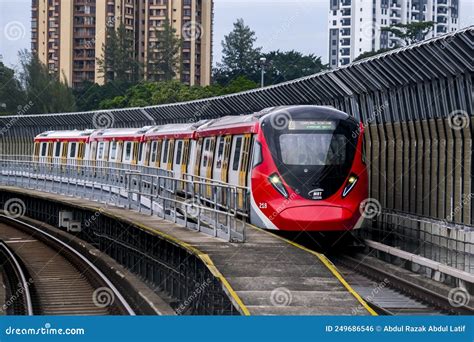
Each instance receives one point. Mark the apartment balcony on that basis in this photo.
(346, 12)
(345, 3)
(346, 22)
(345, 33)
(345, 42)
(395, 6)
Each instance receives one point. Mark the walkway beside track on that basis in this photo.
(266, 275)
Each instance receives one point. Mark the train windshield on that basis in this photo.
(313, 152)
(313, 149)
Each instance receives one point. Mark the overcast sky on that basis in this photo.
(280, 24)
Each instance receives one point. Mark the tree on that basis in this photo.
(156, 93)
(285, 66)
(412, 32)
(371, 53)
(240, 56)
(119, 61)
(12, 95)
(42, 87)
(164, 59)
(89, 95)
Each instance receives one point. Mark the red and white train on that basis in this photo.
(304, 165)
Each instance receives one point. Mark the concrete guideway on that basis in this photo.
(264, 276)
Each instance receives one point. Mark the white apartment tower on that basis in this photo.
(355, 25)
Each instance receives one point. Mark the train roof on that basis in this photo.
(229, 125)
(65, 135)
(185, 130)
(120, 133)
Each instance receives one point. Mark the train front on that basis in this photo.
(309, 172)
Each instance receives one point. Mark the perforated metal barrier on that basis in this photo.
(416, 103)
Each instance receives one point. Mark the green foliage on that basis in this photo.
(156, 93)
(285, 66)
(240, 56)
(47, 92)
(12, 96)
(164, 59)
(89, 95)
(371, 53)
(412, 32)
(118, 61)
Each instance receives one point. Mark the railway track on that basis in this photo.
(45, 276)
(391, 294)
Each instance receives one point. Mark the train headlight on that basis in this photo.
(351, 182)
(278, 185)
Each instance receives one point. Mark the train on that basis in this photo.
(304, 165)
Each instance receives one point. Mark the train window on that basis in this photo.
(257, 154)
(57, 149)
(207, 147)
(179, 149)
(313, 149)
(220, 152)
(153, 151)
(44, 149)
(113, 150)
(165, 151)
(127, 151)
(238, 148)
(72, 150)
(100, 151)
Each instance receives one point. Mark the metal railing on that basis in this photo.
(204, 205)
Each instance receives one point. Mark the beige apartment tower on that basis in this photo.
(68, 35)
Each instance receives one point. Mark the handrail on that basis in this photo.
(141, 187)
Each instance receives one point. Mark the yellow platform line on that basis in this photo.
(205, 258)
(193, 250)
(326, 262)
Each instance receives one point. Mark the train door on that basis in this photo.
(43, 152)
(141, 153)
(235, 155)
(113, 151)
(164, 153)
(178, 156)
(219, 159)
(239, 161)
(57, 152)
(100, 157)
(72, 153)
(127, 154)
(155, 153)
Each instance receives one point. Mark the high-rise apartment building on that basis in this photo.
(68, 35)
(355, 25)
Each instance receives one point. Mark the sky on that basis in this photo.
(300, 25)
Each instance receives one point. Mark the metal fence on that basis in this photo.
(205, 206)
